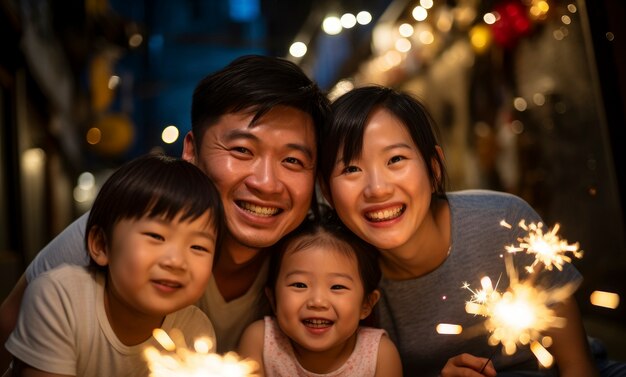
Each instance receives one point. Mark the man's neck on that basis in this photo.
(237, 268)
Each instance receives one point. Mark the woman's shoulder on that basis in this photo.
(485, 199)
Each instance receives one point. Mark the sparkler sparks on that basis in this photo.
(179, 361)
(549, 249)
(519, 315)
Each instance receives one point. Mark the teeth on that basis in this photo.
(387, 214)
(258, 210)
(169, 284)
(317, 322)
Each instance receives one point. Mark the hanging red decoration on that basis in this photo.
(512, 23)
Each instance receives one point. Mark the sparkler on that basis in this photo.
(519, 315)
(549, 249)
(179, 361)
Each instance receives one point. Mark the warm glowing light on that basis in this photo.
(426, 37)
(489, 18)
(520, 314)
(348, 20)
(406, 30)
(342, 87)
(94, 135)
(86, 180)
(480, 38)
(363, 17)
(539, 9)
(426, 4)
(419, 13)
(572, 8)
(549, 249)
(520, 104)
(298, 49)
(332, 25)
(135, 40)
(566, 19)
(403, 45)
(604, 299)
(179, 361)
(114, 81)
(164, 340)
(391, 59)
(449, 329)
(33, 160)
(169, 134)
(543, 356)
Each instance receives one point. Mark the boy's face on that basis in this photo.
(264, 173)
(157, 267)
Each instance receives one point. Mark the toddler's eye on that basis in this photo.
(200, 248)
(298, 285)
(338, 286)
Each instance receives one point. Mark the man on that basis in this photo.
(254, 131)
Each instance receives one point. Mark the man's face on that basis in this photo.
(265, 173)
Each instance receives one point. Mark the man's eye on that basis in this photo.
(242, 150)
(293, 160)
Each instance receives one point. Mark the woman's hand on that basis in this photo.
(466, 365)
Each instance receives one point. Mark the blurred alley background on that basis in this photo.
(530, 96)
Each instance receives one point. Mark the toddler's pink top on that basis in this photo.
(280, 360)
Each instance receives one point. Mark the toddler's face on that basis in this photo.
(319, 297)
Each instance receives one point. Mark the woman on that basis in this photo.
(383, 171)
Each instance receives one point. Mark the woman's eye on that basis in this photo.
(350, 169)
(395, 159)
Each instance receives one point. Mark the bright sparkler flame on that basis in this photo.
(549, 249)
(180, 361)
(519, 315)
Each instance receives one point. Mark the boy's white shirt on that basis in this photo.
(63, 328)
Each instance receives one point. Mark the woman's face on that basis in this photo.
(383, 196)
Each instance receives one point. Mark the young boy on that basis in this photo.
(151, 235)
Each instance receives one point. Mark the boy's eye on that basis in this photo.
(155, 236)
(298, 285)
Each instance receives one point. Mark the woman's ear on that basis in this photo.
(270, 297)
(98, 247)
(437, 168)
(369, 303)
